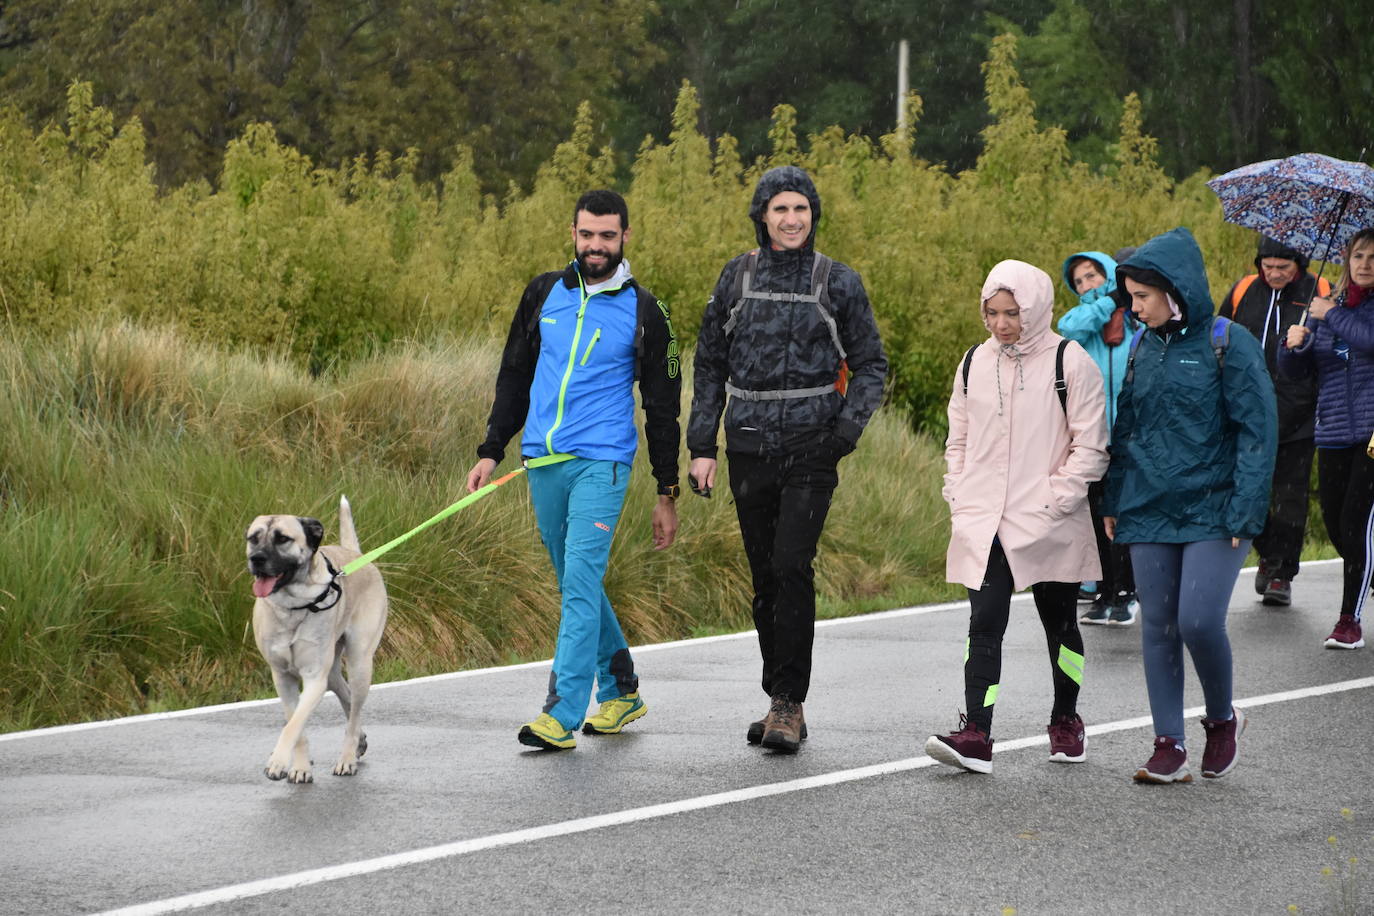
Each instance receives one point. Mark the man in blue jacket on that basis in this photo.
(580, 338)
(1099, 324)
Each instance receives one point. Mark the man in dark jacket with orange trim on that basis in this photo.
(1267, 303)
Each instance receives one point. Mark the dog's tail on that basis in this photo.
(348, 535)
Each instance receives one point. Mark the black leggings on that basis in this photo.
(1345, 489)
(1118, 577)
(991, 609)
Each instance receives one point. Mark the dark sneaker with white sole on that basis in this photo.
(969, 748)
(1222, 751)
(1099, 613)
(1124, 611)
(1068, 739)
(1347, 635)
(1169, 763)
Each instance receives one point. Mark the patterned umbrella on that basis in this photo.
(1309, 202)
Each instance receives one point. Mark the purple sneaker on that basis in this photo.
(1221, 753)
(1347, 635)
(1169, 763)
(1068, 740)
(969, 748)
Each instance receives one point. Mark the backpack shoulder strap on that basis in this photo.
(1221, 339)
(743, 277)
(1241, 289)
(968, 361)
(1061, 387)
(1130, 359)
(820, 288)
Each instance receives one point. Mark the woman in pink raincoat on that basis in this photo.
(1021, 452)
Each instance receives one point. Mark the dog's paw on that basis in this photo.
(347, 766)
(299, 776)
(362, 744)
(274, 772)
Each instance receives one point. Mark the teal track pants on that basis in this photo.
(577, 504)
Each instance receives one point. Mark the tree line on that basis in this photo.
(1220, 84)
(325, 265)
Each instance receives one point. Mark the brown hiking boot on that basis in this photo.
(755, 733)
(782, 729)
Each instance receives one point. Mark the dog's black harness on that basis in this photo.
(315, 606)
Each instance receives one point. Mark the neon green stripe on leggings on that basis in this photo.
(1071, 663)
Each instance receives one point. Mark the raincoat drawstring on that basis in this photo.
(1012, 351)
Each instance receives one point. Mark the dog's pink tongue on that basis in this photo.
(263, 585)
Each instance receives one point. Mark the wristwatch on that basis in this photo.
(670, 490)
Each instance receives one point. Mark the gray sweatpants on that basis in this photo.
(1184, 590)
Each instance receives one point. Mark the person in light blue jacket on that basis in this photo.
(1099, 324)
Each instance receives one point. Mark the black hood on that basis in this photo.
(1268, 248)
(774, 182)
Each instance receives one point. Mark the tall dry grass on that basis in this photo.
(133, 460)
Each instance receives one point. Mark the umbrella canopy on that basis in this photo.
(1309, 202)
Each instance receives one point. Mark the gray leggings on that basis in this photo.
(1184, 591)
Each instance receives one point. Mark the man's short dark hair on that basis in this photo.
(603, 202)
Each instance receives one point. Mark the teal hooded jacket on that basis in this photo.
(1084, 323)
(1193, 445)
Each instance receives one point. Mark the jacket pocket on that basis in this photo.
(596, 335)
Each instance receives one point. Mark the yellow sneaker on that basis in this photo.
(615, 715)
(548, 733)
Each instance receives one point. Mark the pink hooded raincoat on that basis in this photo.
(1019, 465)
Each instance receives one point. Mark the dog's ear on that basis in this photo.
(314, 532)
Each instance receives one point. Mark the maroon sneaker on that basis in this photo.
(1347, 634)
(1068, 740)
(1169, 763)
(1221, 753)
(969, 747)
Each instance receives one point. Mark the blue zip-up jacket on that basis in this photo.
(568, 371)
(1084, 323)
(1193, 448)
(1345, 384)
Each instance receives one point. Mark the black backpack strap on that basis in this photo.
(820, 288)
(968, 361)
(743, 277)
(1061, 387)
(1130, 361)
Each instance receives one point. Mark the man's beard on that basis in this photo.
(612, 262)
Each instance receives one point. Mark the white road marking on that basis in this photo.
(477, 672)
(649, 812)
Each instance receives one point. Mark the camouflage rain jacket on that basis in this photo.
(775, 348)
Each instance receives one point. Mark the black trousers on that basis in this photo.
(1118, 576)
(1345, 490)
(991, 610)
(782, 503)
(1279, 545)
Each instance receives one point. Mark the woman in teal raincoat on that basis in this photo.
(1187, 488)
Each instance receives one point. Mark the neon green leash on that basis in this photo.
(460, 504)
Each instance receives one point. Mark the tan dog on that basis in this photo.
(307, 620)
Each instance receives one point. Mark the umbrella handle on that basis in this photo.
(1330, 239)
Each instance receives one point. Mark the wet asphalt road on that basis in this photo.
(449, 814)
